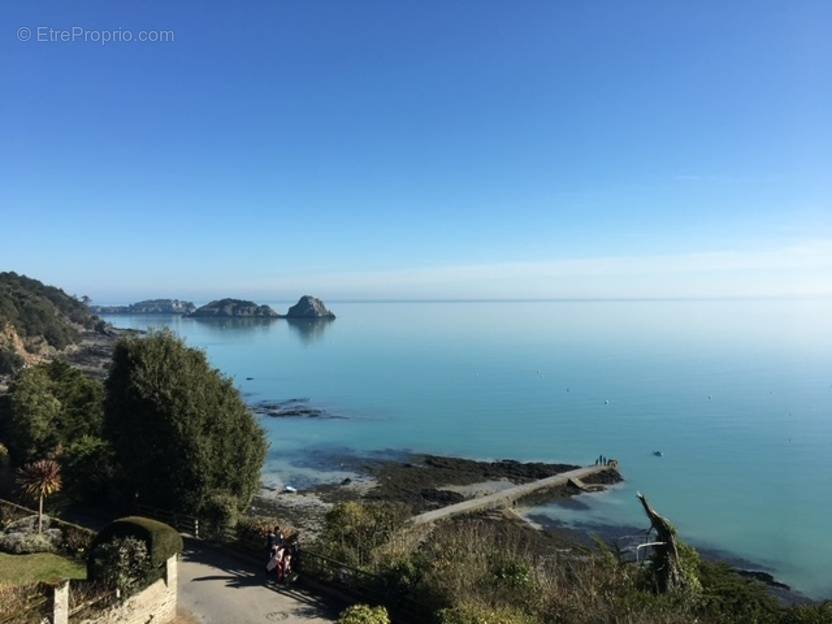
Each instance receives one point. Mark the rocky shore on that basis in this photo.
(426, 482)
(421, 482)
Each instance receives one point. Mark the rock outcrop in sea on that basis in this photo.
(149, 306)
(234, 308)
(309, 307)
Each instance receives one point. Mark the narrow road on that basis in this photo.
(218, 588)
(506, 496)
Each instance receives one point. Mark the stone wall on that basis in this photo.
(156, 603)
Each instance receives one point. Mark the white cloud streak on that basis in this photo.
(797, 270)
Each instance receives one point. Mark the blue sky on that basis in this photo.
(369, 149)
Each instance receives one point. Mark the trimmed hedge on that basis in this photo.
(162, 540)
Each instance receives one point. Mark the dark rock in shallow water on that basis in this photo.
(293, 408)
(309, 307)
(234, 308)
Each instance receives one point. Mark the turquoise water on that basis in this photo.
(737, 395)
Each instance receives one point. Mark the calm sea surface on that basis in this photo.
(737, 396)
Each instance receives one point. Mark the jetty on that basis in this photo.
(510, 495)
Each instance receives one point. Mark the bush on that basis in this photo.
(179, 428)
(479, 614)
(162, 541)
(364, 614)
(10, 361)
(77, 540)
(123, 563)
(220, 513)
(354, 530)
(20, 543)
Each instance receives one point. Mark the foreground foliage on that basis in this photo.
(180, 430)
(477, 570)
(364, 614)
(39, 480)
(52, 406)
(123, 564)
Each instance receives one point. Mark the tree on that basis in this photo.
(179, 428)
(39, 480)
(52, 406)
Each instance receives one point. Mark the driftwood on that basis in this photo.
(670, 576)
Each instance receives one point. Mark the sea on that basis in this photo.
(735, 396)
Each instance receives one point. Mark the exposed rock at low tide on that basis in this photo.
(234, 308)
(292, 408)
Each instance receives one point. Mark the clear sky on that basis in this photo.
(432, 149)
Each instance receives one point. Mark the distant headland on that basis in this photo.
(149, 306)
(233, 308)
(307, 307)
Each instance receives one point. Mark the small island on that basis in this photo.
(149, 306)
(233, 308)
(309, 307)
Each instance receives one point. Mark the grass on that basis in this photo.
(23, 569)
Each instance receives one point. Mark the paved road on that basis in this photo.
(503, 497)
(218, 588)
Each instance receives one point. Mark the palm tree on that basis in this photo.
(40, 479)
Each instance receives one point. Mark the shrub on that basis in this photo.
(479, 614)
(179, 428)
(354, 530)
(220, 513)
(77, 540)
(364, 614)
(162, 541)
(20, 543)
(29, 603)
(123, 563)
(10, 361)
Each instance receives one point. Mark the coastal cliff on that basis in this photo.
(234, 308)
(38, 321)
(149, 306)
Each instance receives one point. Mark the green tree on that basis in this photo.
(51, 406)
(179, 428)
(39, 480)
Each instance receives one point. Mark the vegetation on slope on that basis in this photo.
(492, 570)
(34, 316)
(165, 427)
